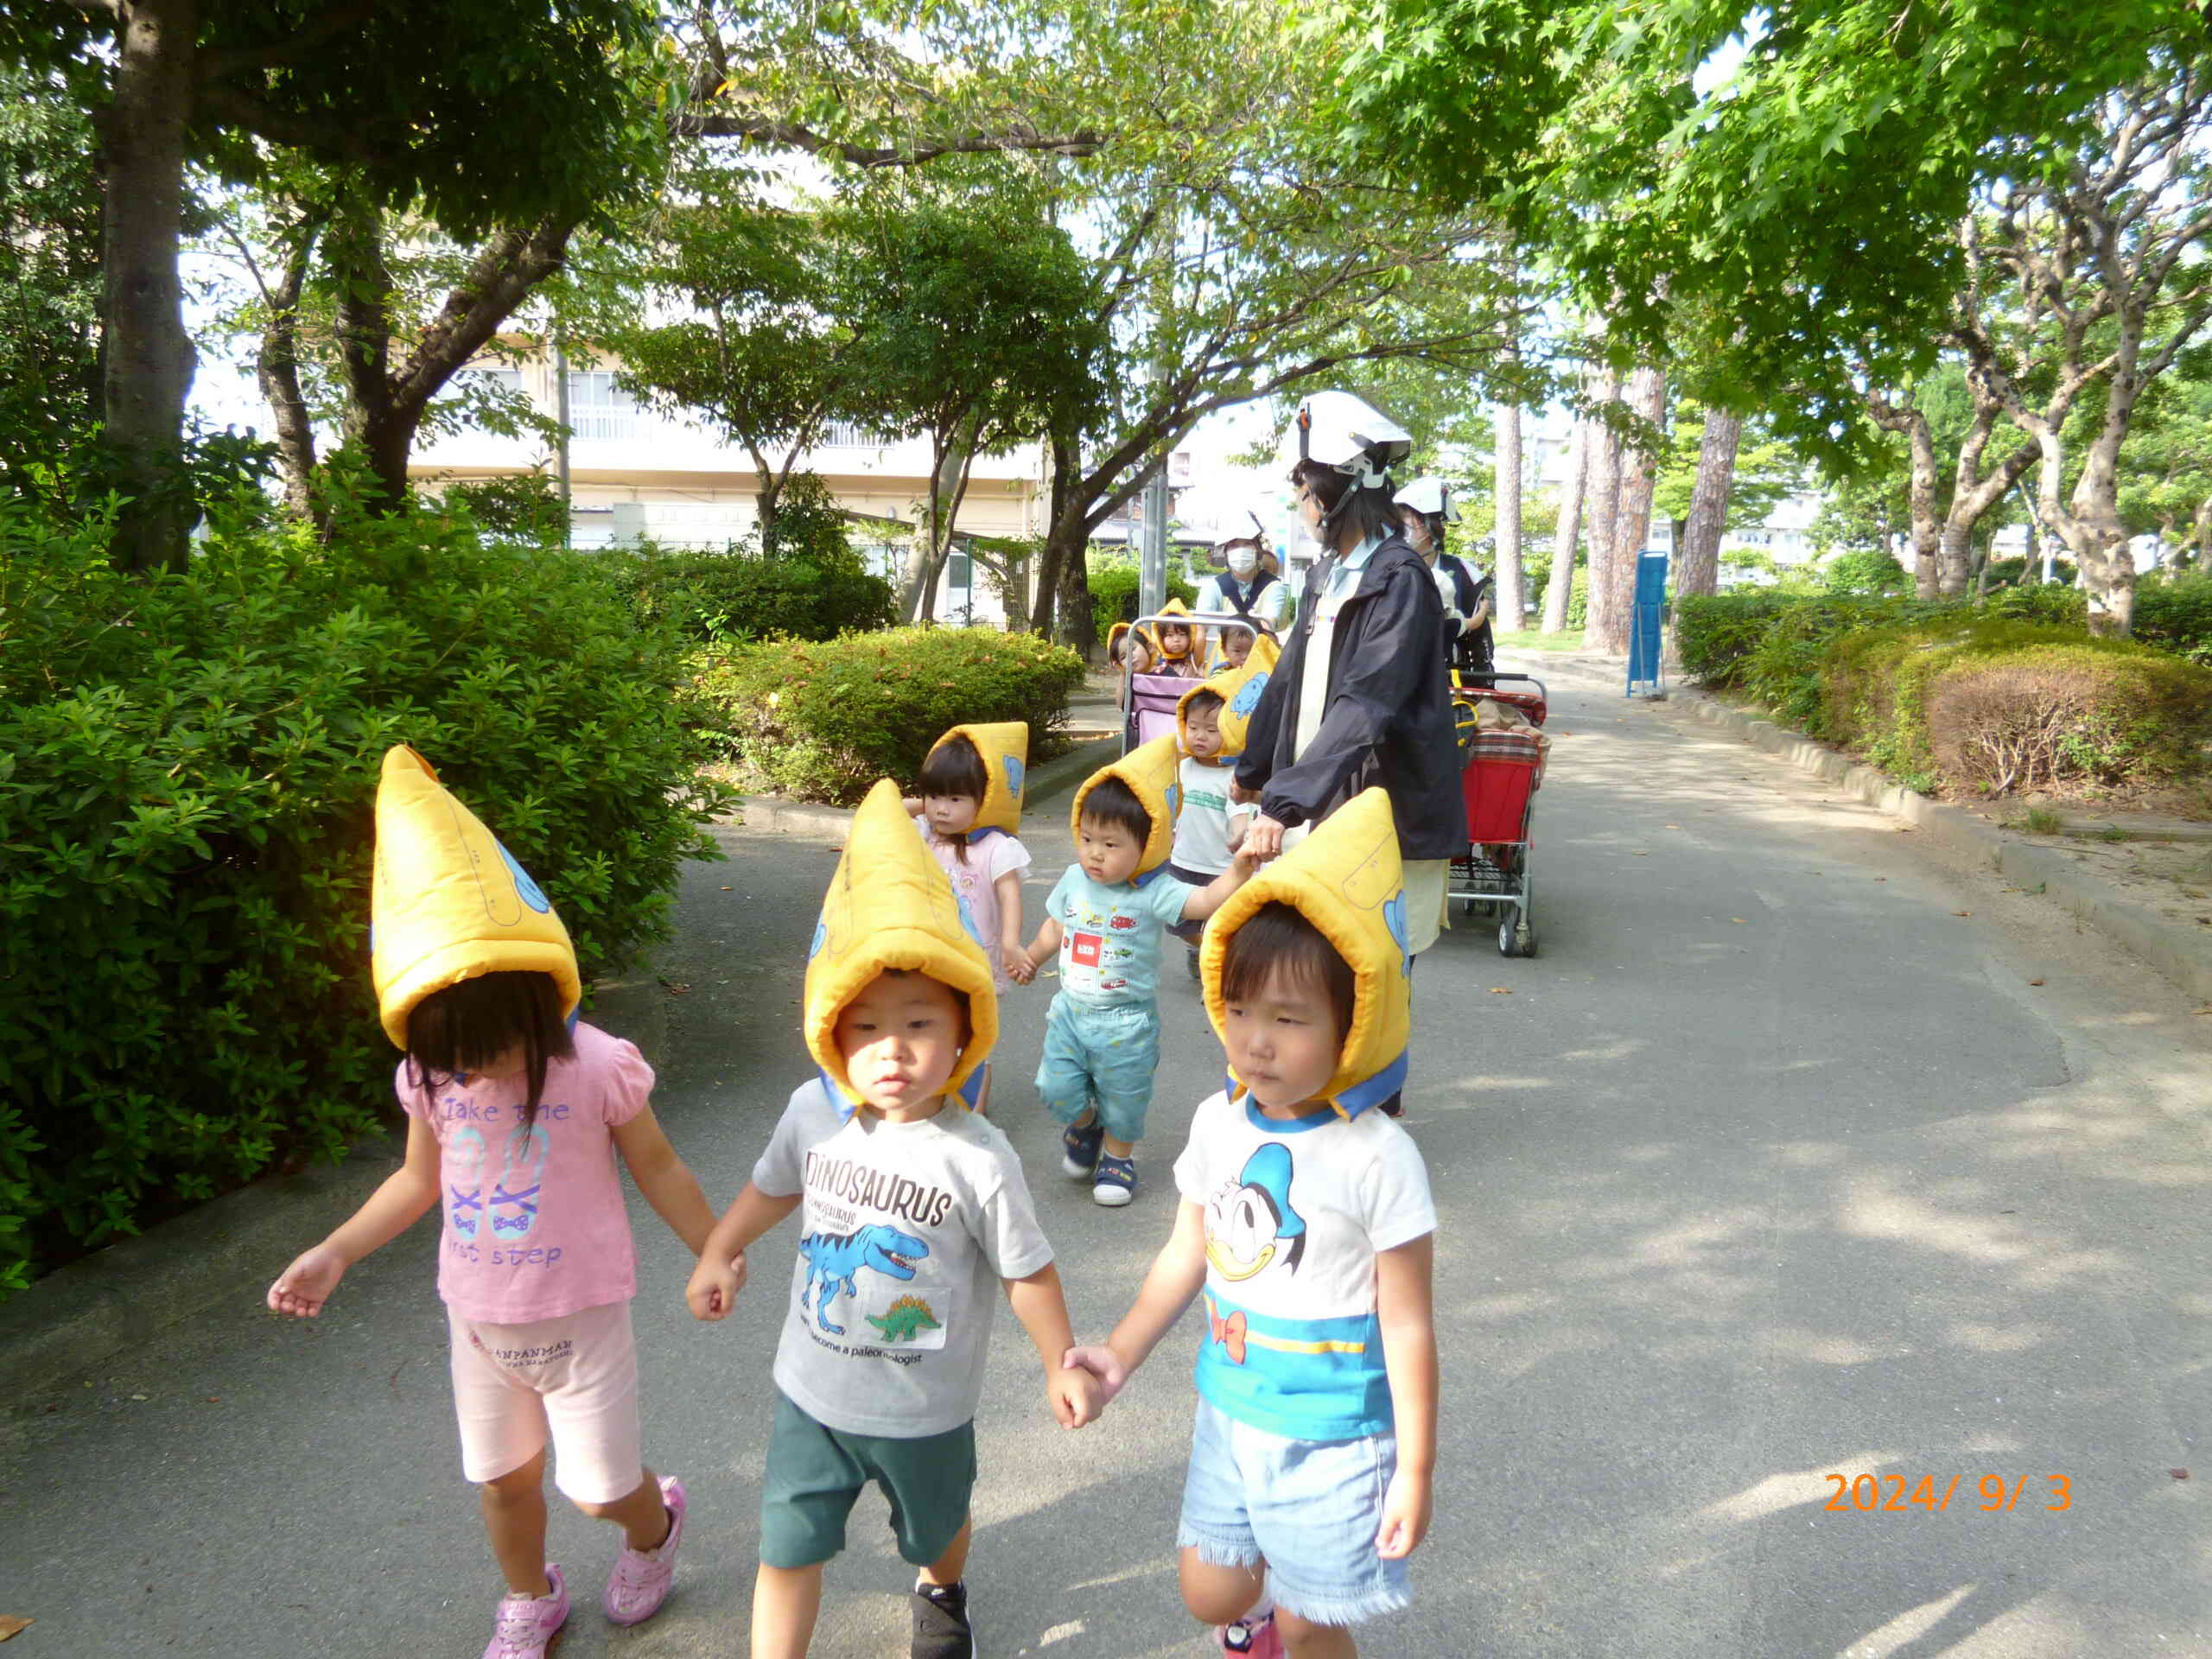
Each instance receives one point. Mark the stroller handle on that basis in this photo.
(1206, 620)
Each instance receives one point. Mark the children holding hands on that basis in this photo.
(916, 1214)
(1304, 1218)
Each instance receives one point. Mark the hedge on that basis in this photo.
(821, 722)
(187, 768)
(739, 595)
(1114, 593)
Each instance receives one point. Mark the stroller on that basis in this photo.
(1149, 700)
(1501, 772)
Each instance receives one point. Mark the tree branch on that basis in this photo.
(789, 134)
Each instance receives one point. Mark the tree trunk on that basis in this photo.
(1599, 512)
(1927, 529)
(2090, 524)
(148, 358)
(277, 368)
(1508, 605)
(1698, 564)
(1063, 449)
(1639, 478)
(1560, 589)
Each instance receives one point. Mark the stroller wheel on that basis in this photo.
(1508, 939)
(1524, 941)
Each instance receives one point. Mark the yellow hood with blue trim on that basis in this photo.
(1004, 746)
(449, 902)
(1153, 772)
(1239, 690)
(1345, 879)
(890, 905)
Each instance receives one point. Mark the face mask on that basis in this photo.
(1243, 562)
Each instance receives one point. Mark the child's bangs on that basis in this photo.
(467, 1026)
(1278, 940)
(1114, 804)
(954, 768)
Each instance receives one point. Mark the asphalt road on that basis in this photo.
(1772, 1166)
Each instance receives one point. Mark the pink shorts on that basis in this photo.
(573, 1380)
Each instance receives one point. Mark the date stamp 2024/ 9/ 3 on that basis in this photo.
(1887, 1494)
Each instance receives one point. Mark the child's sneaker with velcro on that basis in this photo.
(941, 1626)
(1080, 1145)
(1116, 1181)
(642, 1576)
(525, 1624)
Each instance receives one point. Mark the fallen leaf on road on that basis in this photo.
(729, 889)
(138, 1396)
(674, 987)
(10, 1626)
(2034, 981)
(1739, 921)
(2206, 1008)
(2178, 1474)
(1642, 854)
(1674, 826)
(1963, 912)
(1499, 990)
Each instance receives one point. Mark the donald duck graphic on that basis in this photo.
(1251, 1221)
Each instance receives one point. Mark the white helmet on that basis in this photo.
(1429, 497)
(1351, 436)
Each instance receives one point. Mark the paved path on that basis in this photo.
(1772, 1165)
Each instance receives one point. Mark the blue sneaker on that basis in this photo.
(1079, 1148)
(1116, 1183)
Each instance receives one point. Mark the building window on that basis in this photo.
(598, 408)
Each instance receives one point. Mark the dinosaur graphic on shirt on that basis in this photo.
(835, 1260)
(905, 1320)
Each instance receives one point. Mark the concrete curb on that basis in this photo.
(766, 815)
(2183, 954)
(130, 1292)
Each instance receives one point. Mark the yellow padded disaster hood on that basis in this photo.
(1239, 690)
(1157, 646)
(449, 902)
(1152, 770)
(1005, 748)
(1345, 878)
(890, 905)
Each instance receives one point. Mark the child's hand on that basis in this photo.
(302, 1288)
(1015, 960)
(1408, 1506)
(1075, 1396)
(713, 1290)
(1103, 1363)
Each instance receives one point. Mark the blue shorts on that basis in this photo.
(1308, 1509)
(1100, 1056)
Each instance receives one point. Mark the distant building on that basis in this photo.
(637, 476)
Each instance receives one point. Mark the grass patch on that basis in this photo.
(2039, 821)
(1530, 639)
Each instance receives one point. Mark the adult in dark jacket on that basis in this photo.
(1361, 696)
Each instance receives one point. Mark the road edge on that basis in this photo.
(2180, 954)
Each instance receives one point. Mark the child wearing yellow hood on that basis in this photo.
(916, 1216)
(515, 1115)
(1104, 922)
(1307, 1223)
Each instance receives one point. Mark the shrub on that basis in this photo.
(2176, 615)
(737, 595)
(1872, 684)
(823, 721)
(1867, 570)
(1714, 632)
(2057, 716)
(1113, 591)
(187, 766)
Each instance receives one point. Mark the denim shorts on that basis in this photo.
(1308, 1509)
(1100, 1056)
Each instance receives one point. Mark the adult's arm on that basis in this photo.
(1376, 679)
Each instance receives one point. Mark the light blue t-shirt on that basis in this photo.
(1110, 937)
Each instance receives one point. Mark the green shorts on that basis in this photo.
(815, 1475)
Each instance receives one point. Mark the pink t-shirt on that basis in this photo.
(533, 1222)
(976, 882)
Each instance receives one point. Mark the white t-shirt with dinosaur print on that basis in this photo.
(905, 1232)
